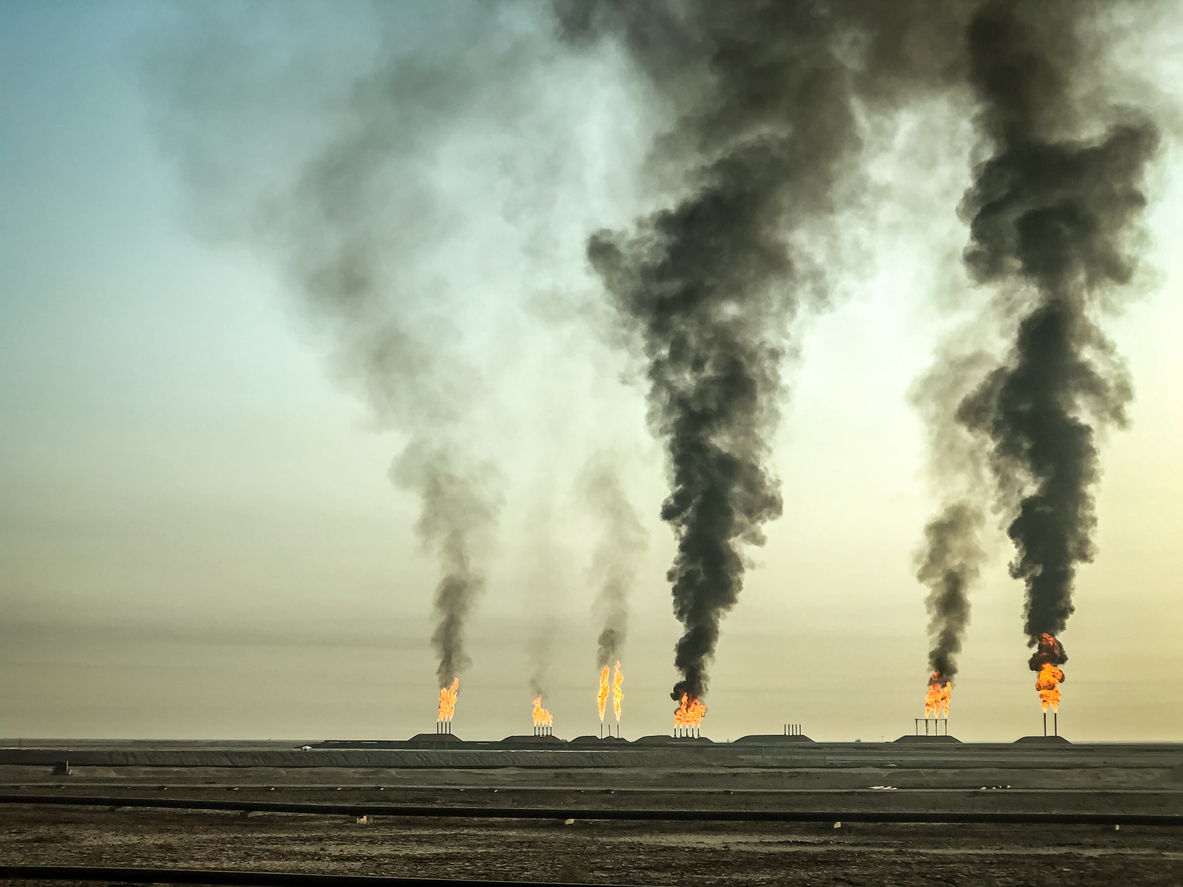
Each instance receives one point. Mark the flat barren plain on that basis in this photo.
(537, 813)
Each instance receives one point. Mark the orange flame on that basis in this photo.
(542, 717)
(1048, 685)
(617, 691)
(936, 703)
(690, 713)
(448, 700)
(602, 696)
(1046, 661)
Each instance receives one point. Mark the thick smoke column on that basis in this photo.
(762, 96)
(617, 554)
(951, 556)
(952, 559)
(703, 284)
(458, 512)
(330, 164)
(1050, 213)
(343, 261)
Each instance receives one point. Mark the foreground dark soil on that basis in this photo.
(589, 851)
(838, 780)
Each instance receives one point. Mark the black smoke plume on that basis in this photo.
(459, 509)
(762, 95)
(1048, 651)
(1051, 212)
(617, 554)
(322, 160)
(951, 562)
(952, 554)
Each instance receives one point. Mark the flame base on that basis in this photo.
(690, 713)
(542, 717)
(940, 693)
(448, 702)
(1047, 661)
(617, 691)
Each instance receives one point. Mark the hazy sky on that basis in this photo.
(198, 532)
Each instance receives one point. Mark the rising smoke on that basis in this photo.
(952, 554)
(544, 588)
(951, 562)
(767, 103)
(1051, 211)
(617, 556)
(459, 509)
(766, 128)
(348, 170)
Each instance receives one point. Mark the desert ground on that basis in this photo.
(577, 846)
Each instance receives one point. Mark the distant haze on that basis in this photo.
(215, 517)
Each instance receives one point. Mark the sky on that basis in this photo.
(199, 534)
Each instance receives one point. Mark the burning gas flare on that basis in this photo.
(1047, 661)
(940, 691)
(448, 700)
(542, 717)
(690, 713)
(617, 690)
(602, 696)
(1048, 685)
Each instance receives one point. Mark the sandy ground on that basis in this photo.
(596, 852)
(623, 852)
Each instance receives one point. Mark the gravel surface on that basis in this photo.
(595, 852)
(966, 779)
